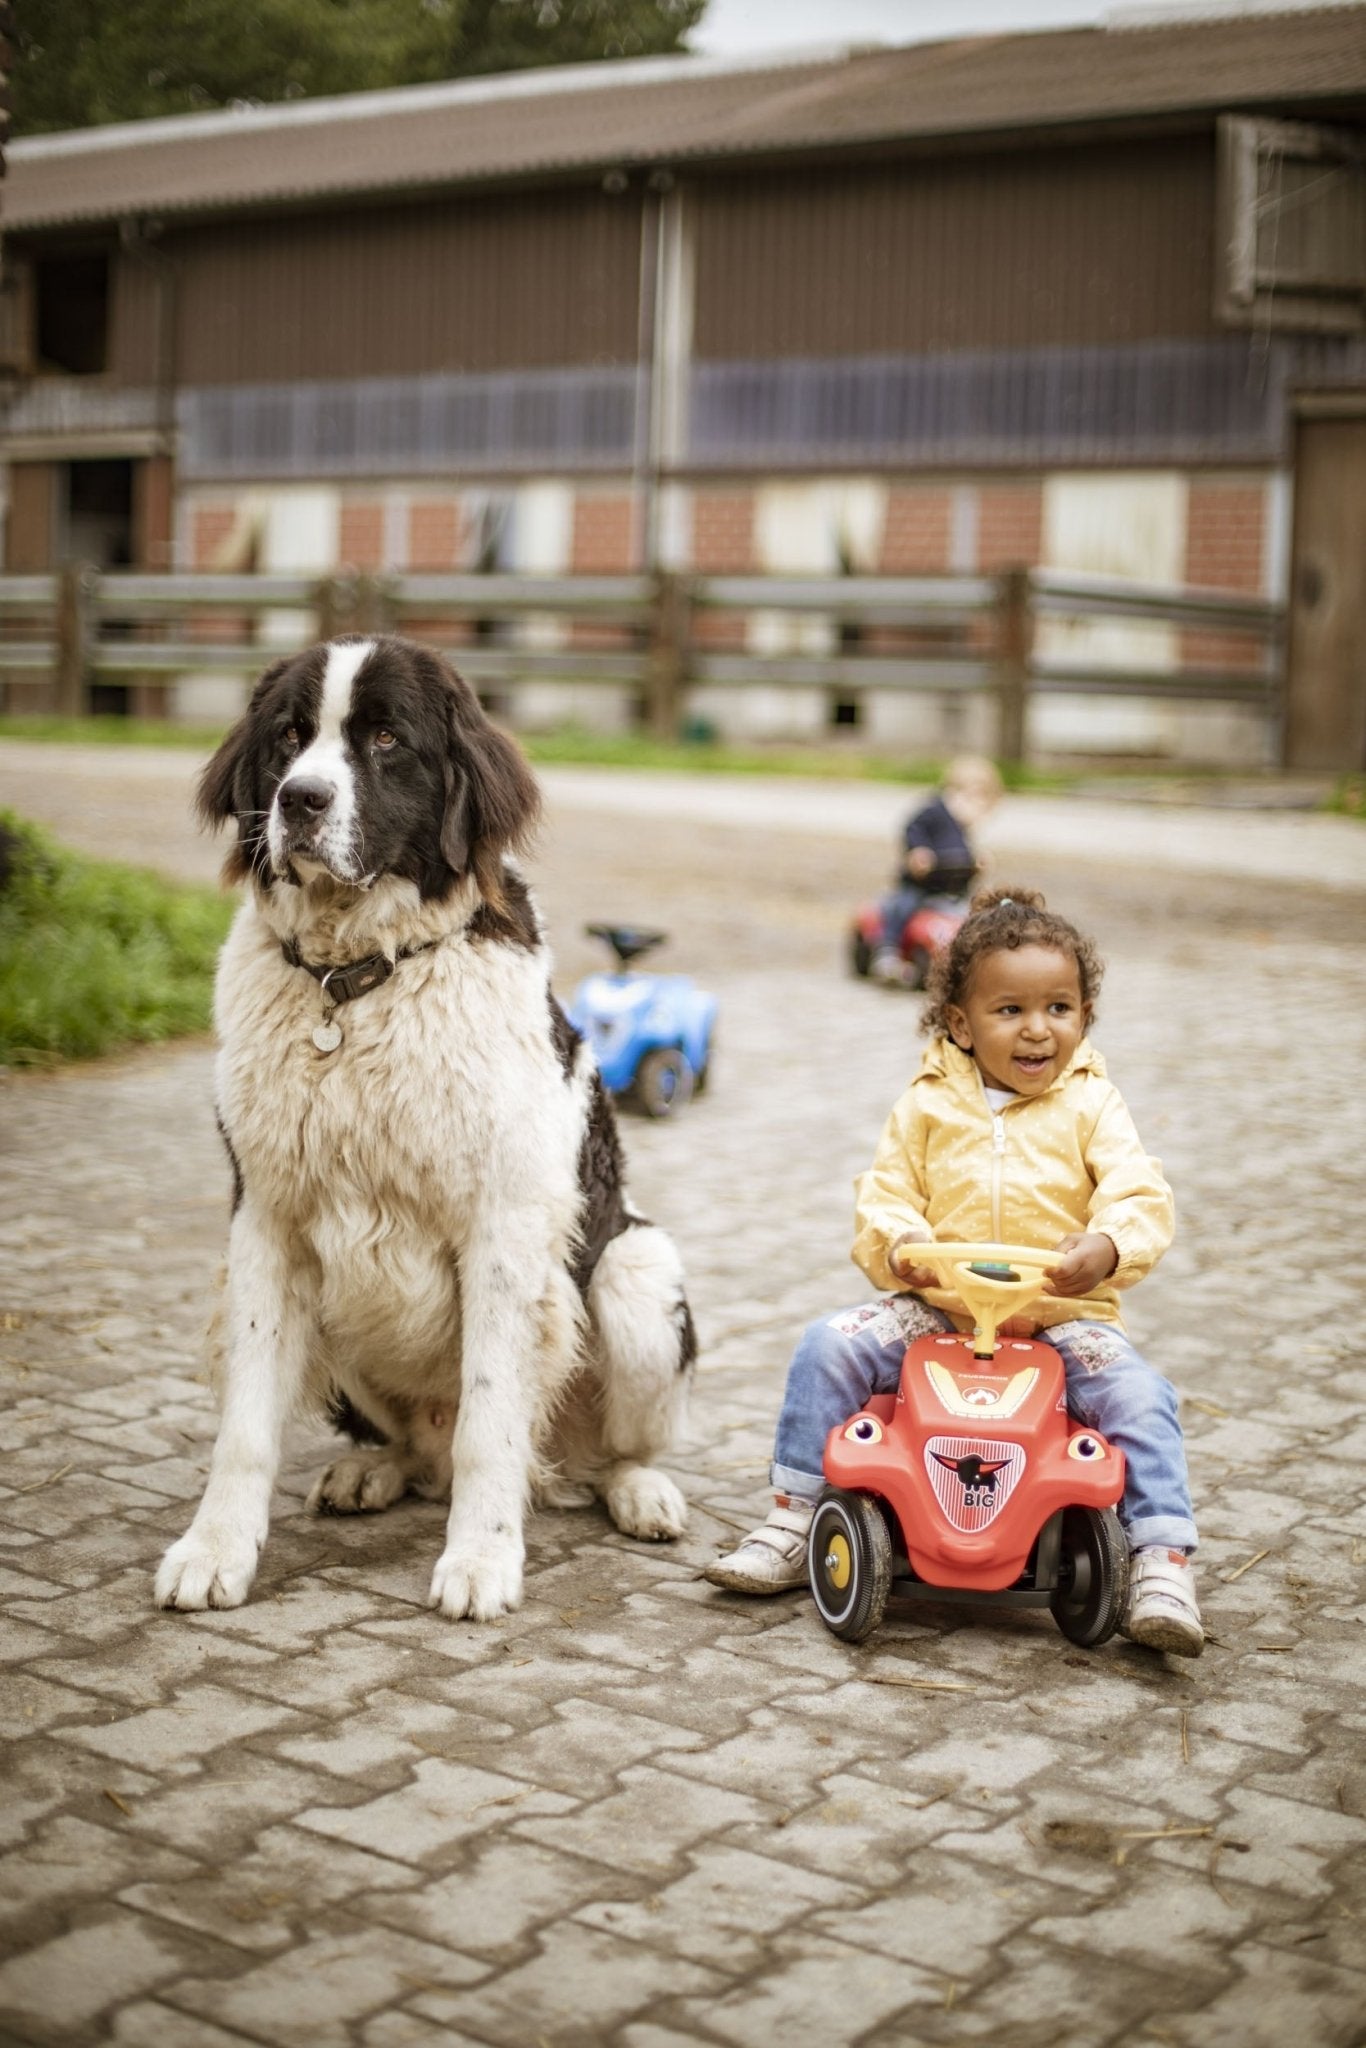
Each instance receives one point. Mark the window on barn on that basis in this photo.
(1292, 220)
(71, 313)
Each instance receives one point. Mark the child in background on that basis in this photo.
(1009, 1134)
(937, 857)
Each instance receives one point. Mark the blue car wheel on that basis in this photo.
(664, 1081)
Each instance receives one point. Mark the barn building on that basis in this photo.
(1092, 299)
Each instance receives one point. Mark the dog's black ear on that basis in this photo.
(227, 786)
(492, 799)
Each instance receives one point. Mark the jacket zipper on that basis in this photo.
(998, 1153)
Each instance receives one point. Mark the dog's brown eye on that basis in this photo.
(384, 738)
(291, 736)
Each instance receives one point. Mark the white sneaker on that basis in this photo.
(1163, 1613)
(888, 967)
(773, 1558)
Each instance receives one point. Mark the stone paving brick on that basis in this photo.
(725, 1908)
(816, 1992)
(164, 1660)
(495, 1900)
(312, 1997)
(201, 1718)
(646, 1825)
(65, 1983)
(1275, 1997)
(268, 1894)
(147, 2023)
(579, 1986)
(221, 1811)
(427, 1819)
(69, 1860)
(411, 2030)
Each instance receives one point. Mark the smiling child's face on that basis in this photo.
(1022, 1017)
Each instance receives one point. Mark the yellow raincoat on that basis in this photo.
(1044, 1166)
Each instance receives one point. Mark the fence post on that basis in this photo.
(667, 663)
(1013, 637)
(76, 583)
(372, 605)
(330, 607)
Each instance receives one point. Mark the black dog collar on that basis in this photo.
(344, 982)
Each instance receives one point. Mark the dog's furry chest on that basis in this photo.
(379, 1159)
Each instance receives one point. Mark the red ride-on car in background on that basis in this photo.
(923, 931)
(971, 1482)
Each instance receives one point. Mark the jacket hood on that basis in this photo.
(943, 1060)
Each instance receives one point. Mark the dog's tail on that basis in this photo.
(638, 1302)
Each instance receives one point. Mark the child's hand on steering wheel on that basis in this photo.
(1087, 1259)
(898, 1258)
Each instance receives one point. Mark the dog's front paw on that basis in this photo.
(211, 1567)
(644, 1502)
(478, 1578)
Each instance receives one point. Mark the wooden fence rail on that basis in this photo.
(664, 637)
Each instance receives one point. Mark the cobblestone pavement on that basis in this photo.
(640, 1812)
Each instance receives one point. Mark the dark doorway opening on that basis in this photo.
(97, 527)
(72, 313)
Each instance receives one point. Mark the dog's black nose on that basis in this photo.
(305, 796)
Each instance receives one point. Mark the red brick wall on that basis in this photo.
(210, 526)
(602, 536)
(436, 535)
(723, 533)
(1009, 526)
(722, 545)
(1224, 534)
(360, 541)
(916, 533)
(1224, 540)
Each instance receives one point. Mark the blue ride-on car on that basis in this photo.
(651, 1034)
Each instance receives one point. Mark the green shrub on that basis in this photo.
(94, 956)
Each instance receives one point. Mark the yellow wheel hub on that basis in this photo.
(838, 1562)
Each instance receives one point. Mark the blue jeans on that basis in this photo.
(896, 909)
(844, 1358)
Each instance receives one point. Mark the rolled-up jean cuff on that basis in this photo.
(787, 1479)
(1167, 1532)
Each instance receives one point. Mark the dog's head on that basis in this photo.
(364, 758)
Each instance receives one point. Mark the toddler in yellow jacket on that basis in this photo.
(1010, 1134)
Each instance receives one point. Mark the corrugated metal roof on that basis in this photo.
(687, 110)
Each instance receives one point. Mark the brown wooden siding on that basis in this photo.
(1076, 246)
(493, 283)
(134, 318)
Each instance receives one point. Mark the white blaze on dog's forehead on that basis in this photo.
(325, 753)
(345, 660)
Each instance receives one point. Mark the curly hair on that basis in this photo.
(1001, 920)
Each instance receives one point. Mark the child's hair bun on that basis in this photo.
(992, 899)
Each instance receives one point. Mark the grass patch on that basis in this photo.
(578, 747)
(111, 732)
(1348, 799)
(94, 956)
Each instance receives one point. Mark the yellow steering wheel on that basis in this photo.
(992, 1281)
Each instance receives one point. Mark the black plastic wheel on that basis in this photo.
(860, 956)
(1093, 1576)
(849, 1555)
(664, 1081)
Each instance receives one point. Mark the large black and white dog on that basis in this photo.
(431, 1234)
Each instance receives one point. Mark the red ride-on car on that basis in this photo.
(925, 932)
(926, 928)
(971, 1482)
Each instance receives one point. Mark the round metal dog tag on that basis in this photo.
(327, 1037)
